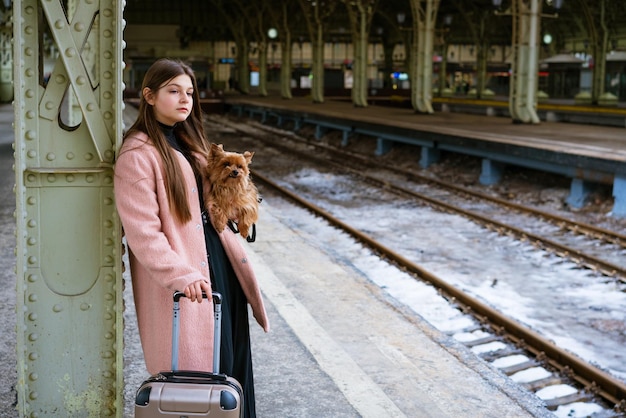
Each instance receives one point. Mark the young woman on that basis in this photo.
(158, 192)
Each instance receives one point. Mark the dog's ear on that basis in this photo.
(248, 156)
(216, 147)
(216, 150)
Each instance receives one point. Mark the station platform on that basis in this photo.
(587, 154)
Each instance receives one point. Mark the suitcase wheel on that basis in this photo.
(228, 402)
(143, 396)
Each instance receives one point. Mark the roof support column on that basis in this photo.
(523, 88)
(6, 58)
(424, 16)
(68, 124)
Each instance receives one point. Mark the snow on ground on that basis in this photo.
(579, 310)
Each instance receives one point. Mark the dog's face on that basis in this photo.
(228, 167)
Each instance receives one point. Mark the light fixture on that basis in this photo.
(401, 17)
(272, 33)
(547, 39)
(497, 3)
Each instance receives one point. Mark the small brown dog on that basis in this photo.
(232, 195)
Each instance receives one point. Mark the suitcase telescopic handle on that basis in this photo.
(217, 297)
(217, 310)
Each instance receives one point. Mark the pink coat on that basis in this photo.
(166, 255)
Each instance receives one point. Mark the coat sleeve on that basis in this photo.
(141, 208)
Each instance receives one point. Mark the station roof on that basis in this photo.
(460, 21)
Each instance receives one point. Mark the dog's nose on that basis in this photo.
(234, 173)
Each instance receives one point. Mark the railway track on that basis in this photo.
(490, 327)
(589, 246)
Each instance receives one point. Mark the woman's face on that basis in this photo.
(173, 101)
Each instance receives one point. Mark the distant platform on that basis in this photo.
(587, 154)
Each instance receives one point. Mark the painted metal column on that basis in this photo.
(424, 16)
(526, 15)
(68, 122)
(619, 193)
(6, 58)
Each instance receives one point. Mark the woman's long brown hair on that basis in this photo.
(189, 133)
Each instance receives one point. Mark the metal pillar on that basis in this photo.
(424, 16)
(383, 146)
(69, 283)
(345, 137)
(6, 58)
(526, 15)
(619, 193)
(491, 172)
(579, 191)
(319, 131)
(429, 156)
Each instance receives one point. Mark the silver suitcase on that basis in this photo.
(188, 393)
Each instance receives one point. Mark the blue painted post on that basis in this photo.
(619, 193)
(491, 172)
(345, 138)
(383, 146)
(430, 156)
(319, 131)
(579, 190)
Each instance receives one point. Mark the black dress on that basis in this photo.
(236, 356)
(235, 353)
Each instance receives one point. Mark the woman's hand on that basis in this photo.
(194, 290)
